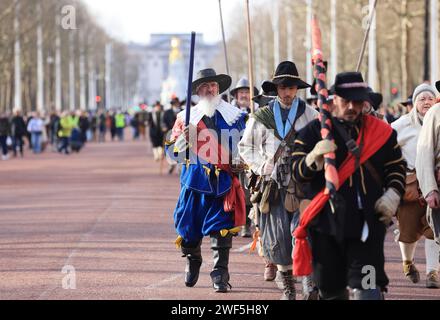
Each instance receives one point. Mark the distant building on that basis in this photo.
(154, 62)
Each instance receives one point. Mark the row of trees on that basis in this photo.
(53, 56)
(280, 32)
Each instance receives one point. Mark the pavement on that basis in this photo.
(99, 225)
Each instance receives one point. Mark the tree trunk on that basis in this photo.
(404, 52)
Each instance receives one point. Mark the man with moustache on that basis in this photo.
(241, 94)
(266, 147)
(211, 201)
(347, 232)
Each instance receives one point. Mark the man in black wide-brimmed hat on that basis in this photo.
(347, 234)
(211, 201)
(266, 147)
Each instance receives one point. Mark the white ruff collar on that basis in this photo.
(229, 112)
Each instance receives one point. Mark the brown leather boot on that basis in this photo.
(270, 271)
(411, 272)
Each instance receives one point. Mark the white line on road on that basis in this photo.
(243, 248)
(204, 266)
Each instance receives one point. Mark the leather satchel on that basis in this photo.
(412, 192)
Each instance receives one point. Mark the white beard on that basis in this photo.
(209, 106)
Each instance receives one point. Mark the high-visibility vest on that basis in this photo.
(120, 121)
(66, 125)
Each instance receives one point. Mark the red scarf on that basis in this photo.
(376, 134)
(234, 200)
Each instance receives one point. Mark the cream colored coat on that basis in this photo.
(428, 151)
(259, 144)
(408, 129)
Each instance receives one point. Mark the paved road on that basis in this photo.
(105, 217)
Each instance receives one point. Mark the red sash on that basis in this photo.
(234, 200)
(376, 134)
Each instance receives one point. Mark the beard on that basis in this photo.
(209, 105)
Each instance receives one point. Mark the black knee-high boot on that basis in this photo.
(220, 275)
(193, 256)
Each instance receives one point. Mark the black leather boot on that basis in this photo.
(370, 294)
(193, 263)
(341, 295)
(220, 275)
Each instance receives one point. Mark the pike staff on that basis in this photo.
(250, 65)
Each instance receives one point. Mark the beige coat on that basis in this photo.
(428, 151)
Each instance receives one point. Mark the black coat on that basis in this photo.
(169, 118)
(84, 123)
(18, 126)
(155, 129)
(5, 127)
(348, 223)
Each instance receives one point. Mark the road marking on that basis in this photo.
(243, 248)
(78, 246)
(176, 276)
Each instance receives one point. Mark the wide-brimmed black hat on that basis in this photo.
(375, 98)
(243, 83)
(437, 85)
(209, 75)
(263, 97)
(287, 75)
(331, 91)
(351, 86)
(408, 102)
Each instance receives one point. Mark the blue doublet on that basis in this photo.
(199, 210)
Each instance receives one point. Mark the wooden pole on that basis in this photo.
(225, 50)
(367, 33)
(250, 62)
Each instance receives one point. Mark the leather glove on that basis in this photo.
(239, 168)
(181, 143)
(433, 199)
(387, 205)
(317, 155)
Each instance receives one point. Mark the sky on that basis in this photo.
(134, 20)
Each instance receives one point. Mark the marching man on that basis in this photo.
(211, 201)
(267, 146)
(347, 233)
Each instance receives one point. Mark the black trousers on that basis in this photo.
(351, 263)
